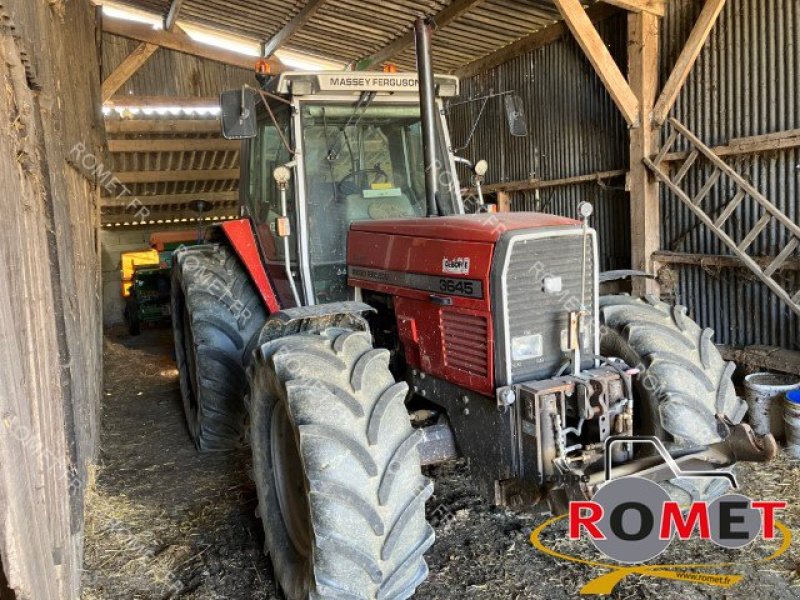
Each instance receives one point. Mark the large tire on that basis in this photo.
(685, 392)
(341, 494)
(216, 314)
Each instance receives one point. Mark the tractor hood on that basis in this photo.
(465, 228)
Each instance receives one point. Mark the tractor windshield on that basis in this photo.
(362, 161)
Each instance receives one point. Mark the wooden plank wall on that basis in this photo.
(50, 336)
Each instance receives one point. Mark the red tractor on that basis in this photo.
(355, 324)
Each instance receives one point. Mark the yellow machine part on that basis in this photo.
(131, 260)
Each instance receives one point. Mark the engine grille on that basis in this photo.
(531, 311)
(466, 342)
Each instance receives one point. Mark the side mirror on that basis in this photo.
(238, 114)
(515, 112)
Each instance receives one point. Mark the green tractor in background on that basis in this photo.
(149, 300)
(147, 278)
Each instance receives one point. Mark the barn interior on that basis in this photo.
(677, 121)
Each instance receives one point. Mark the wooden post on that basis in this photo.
(643, 39)
(503, 202)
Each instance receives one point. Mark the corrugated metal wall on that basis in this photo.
(574, 129)
(744, 83)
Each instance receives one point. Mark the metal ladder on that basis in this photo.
(744, 190)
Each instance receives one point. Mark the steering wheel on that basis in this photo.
(347, 185)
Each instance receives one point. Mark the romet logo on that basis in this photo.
(632, 520)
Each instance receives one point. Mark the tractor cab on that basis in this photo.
(352, 145)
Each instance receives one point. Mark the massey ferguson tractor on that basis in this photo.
(355, 324)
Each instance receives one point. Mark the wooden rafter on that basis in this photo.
(161, 126)
(292, 27)
(599, 56)
(167, 176)
(179, 145)
(442, 19)
(656, 7)
(168, 199)
(127, 68)
(179, 41)
(688, 56)
(175, 217)
(171, 18)
(157, 101)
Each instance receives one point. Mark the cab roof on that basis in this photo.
(303, 83)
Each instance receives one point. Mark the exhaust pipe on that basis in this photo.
(427, 100)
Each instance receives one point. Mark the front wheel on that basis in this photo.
(341, 494)
(684, 393)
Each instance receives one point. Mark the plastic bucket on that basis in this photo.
(764, 393)
(791, 418)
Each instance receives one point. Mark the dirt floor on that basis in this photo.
(165, 522)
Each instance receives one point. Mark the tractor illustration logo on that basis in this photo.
(455, 266)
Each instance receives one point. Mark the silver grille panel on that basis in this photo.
(526, 309)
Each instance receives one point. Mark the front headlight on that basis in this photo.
(526, 347)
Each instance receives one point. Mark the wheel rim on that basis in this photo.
(287, 470)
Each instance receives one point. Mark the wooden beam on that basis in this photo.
(538, 39)
(292, 27)
(771, 142)
(161, 126)
(688, 56)
(763, 357)
(724, 261)
(127, 68)
(161, 101)
(165, 176)
(173, 216)
(179, 145)
(171, 18)
(525, 185)
(443, 18)
(643, 44)
(179, 41)
(656, 7)
(596, 51)
(168, 199)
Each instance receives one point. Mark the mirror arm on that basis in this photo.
(245, 114)
(287, 257)
(477, 178)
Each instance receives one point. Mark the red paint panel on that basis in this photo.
(241, 237)
(454, 342)
(465, 228)
(419, 255)
(434, 354)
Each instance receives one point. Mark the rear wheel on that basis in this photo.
(684, 392)
(341, 494)
(216, 312)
